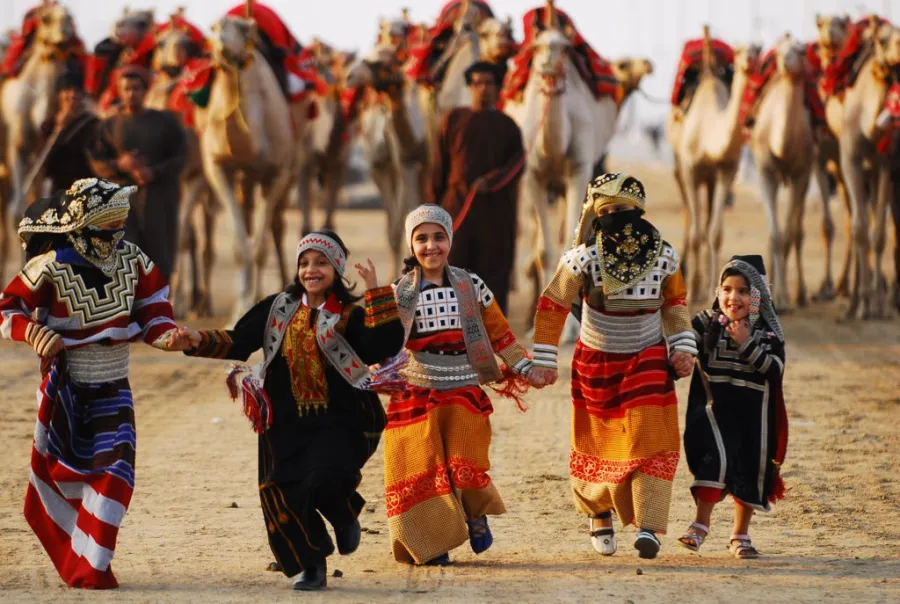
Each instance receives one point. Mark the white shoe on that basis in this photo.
(603, 539)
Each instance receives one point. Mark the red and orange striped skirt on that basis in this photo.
(436, 469)
(625, 438)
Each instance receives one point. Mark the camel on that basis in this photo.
(394, 137)
(244, 129)
(29, 99)
(566, 130)
(707, 142)
(862, 165)
(475, 38)
(832, 33)
(198, 208)
(324, 143)
(782, 142)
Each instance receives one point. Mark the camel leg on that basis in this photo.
(843, 285)
(278, 231)
(209, 214)
(777, 258)
(895, 215)
(695, 238)
(826, 290)
(221, 186)
(306, 195)
(685, 219)
(797, 189)
(185, 245)
(534, 203)
(272, 193)
(724, 178)
(574, 204)
(851, 167)
(336, 176)
(16, 165)
(879, 240)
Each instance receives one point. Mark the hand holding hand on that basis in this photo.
(184, 338)
(738, 331)
(55, 349)
(682, 362)
(368, 274)
(542, 376)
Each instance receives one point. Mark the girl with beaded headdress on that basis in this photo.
(635, 332)
(82, 298)
(310, 400)
(437, 490)
(736, 430)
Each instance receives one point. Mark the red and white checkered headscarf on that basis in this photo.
(326, 245)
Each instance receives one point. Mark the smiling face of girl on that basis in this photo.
(734, 297)
(315, 272)
(431, 246)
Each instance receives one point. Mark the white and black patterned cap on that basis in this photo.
(426, 213)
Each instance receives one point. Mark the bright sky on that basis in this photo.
(650, 28)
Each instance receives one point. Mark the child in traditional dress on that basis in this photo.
(317, 426)
(437, 490)
(635, 333)
(82, 298)
(736, 429)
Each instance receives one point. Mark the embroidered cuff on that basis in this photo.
(523, 367)
(41, 338)
(684, 341)
(545, 355)
(381, 306)
(214, 344)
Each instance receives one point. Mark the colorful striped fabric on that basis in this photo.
(82, 475)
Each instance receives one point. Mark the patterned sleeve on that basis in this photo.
(504, 343)
(676, 317)
(555, 302)
(375, 331)
(29, 291)
(239, 343)
(769, 363)
(152, 310)
(700, 325)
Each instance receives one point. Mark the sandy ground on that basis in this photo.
(835, 537)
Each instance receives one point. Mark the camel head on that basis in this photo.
(393, 32)
(887, 46)
(132, 26)
(550, 61)
(629, 71)
(469, 19)
(56, 27)
(790, 57)
(174, 47)
(497, 41)
(746, 59)
(233, 40)
(833, 31)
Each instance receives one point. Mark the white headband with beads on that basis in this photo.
(326, 245)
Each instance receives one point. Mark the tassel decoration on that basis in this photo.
(512, 386)
(256, 404)
(387, 378)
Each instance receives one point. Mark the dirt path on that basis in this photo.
(835, 538)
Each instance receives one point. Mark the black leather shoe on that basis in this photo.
(348, 538)
(312, 579)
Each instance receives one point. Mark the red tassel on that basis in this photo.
(256, 404)
(512, 386)
(778, 489)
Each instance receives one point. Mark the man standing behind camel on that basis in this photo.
(144, 147)
(477, 165)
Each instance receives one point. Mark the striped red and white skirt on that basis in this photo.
(82, 474)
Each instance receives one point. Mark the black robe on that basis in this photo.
(310, 462)
(731, 442)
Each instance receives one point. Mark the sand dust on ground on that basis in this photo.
(835, 538)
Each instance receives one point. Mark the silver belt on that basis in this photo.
(620, 334)
(98, 363)
(438, 371)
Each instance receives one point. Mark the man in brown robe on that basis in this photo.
(67, 160)
(480, 153)
(144, 147)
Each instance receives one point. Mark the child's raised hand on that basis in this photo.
(738, 331)
(368, 274)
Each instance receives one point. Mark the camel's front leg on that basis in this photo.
(574, 206)
(185, 246)
(769, 188)
(724, 179)
(843, 284)
(696, 239)
(685, 219)
(334, 181)
(220, 184)
(826, 290)
(851, 167)
(797, 189)
(272, 193)
(209, 214)
(879, 238)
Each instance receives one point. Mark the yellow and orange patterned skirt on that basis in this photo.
(436, 469)
(625, 439)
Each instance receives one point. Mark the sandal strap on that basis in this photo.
(740, 538)
(602, 532)
(642, 534)
(702, 527)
